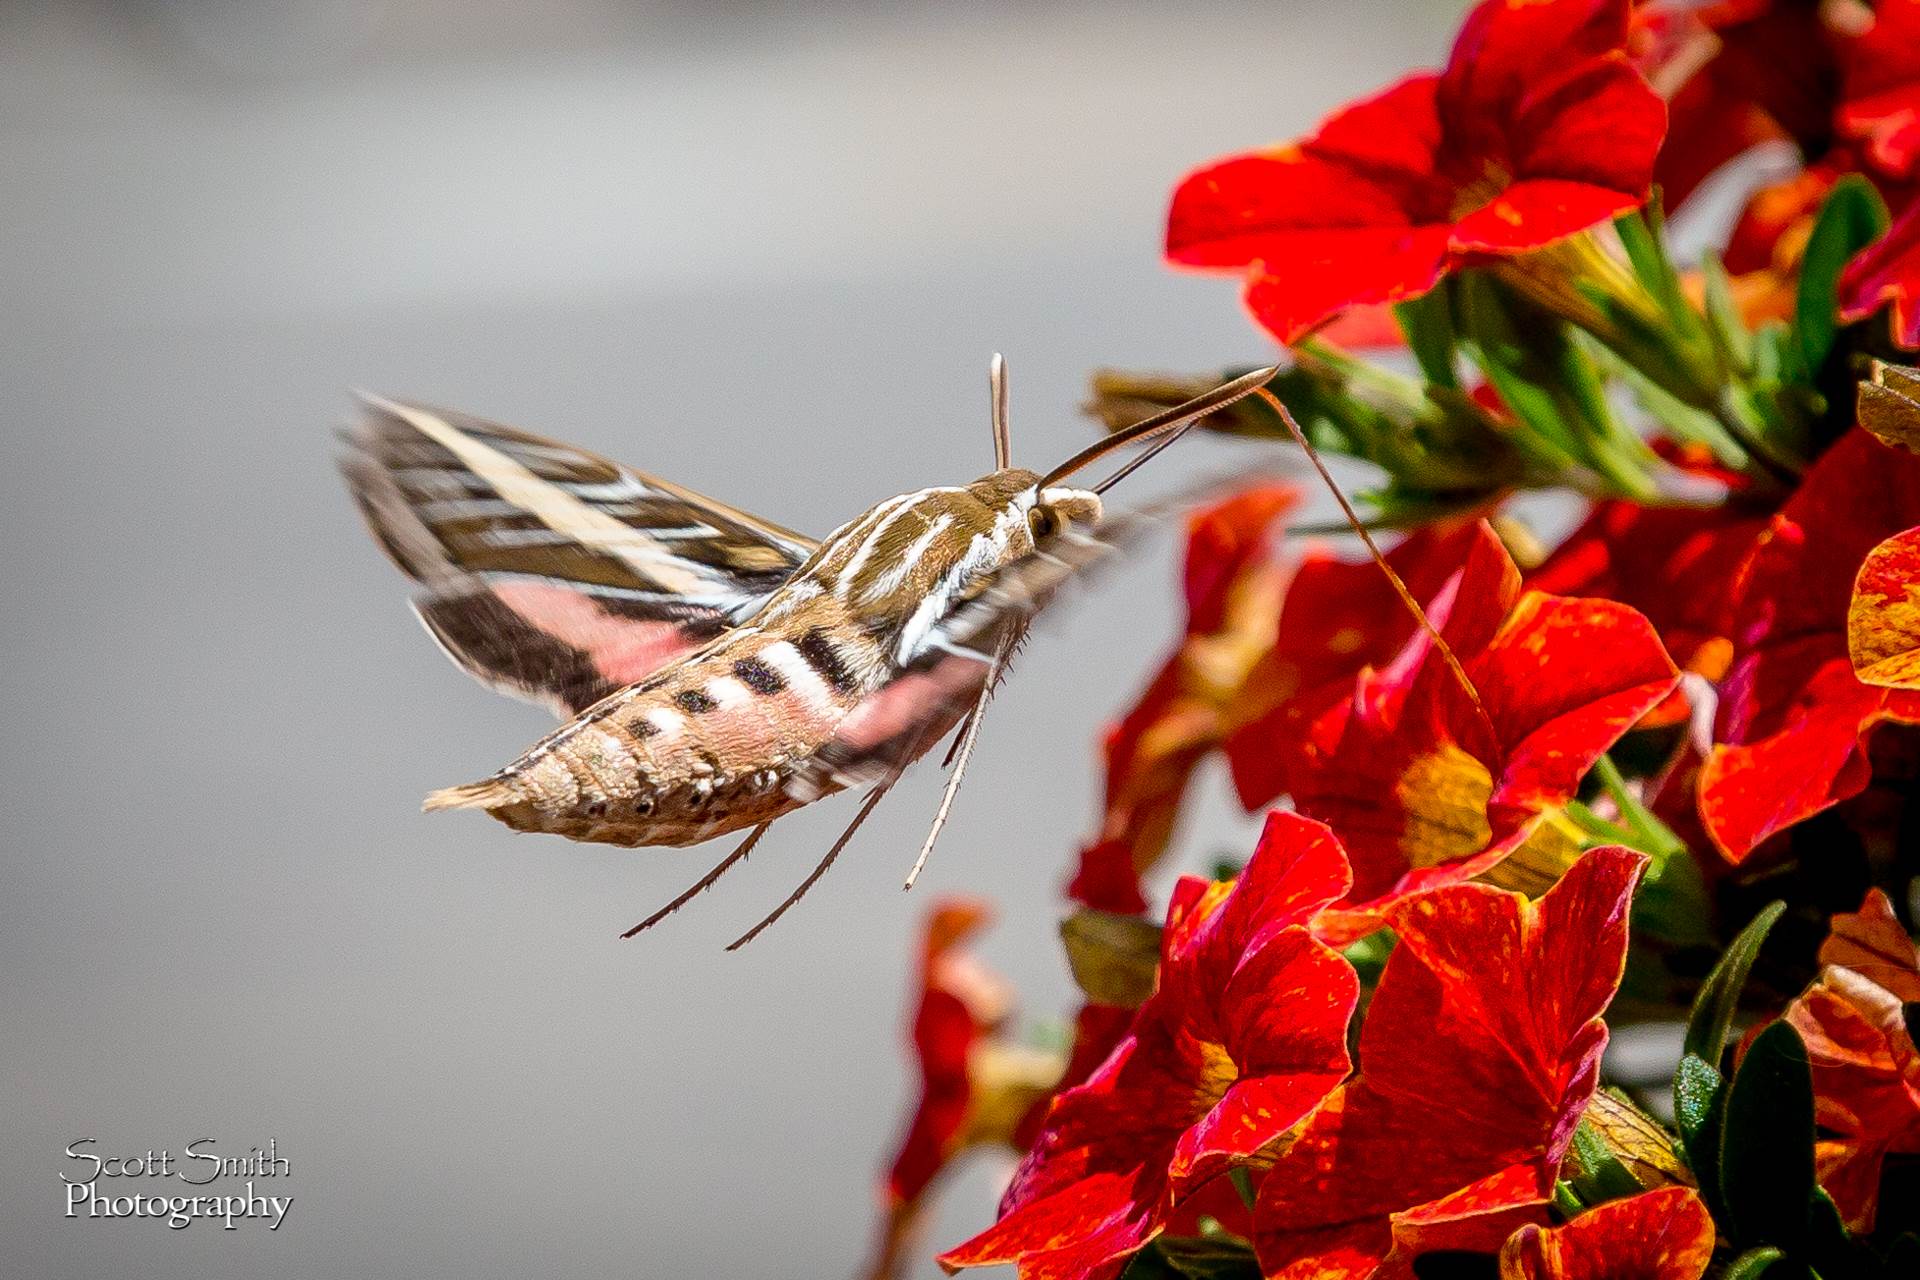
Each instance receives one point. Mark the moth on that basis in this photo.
(715, 671)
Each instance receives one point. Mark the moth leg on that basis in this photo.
(961, 753)
(739, 853)
(873, 798)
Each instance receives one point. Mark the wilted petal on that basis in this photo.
(1866, 1070)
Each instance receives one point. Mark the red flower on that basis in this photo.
(1504, 152)
(1244, 1037)
(1233, 588)
(1479, 1052)
(1424, 788)
(1881, 89)
(1656, 1235)
(1887, 274)
(1670, 563)
(1866, 1070)
(1793, 716)
(1339, 618)
(1769, 72)
(974, 1088)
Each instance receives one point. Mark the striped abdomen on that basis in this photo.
(732, 735)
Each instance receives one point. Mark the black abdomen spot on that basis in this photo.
(819, 652)
(694, 701)
(758, 676)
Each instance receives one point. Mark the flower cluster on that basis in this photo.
(1644, 752)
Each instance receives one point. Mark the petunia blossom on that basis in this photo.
(1793, 716)
(1656, 1235)
(1339, 618)
(1245, 1036)
(1502, 153)
(1233, 583)
(1880, 88)
(1866, 1070)
(1480, 1050)
(976, 1086)
(1429, 782)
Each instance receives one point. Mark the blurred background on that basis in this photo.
(763, 249)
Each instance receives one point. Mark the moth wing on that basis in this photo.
(548, 572)
(943, 670)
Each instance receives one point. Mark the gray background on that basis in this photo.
(763, 249)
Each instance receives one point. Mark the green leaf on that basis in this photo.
(1719, 996)
(1115, 959)
(1597, 1174)
(1729, 332)
(1699, 1099)
(1750, 1265)
(1427, 323)
(1766, 1142)
(1853, 217)
(1194, 1258)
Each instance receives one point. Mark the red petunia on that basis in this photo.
(1233, 587)
(1339, 618)
(1670, 563)
(1504, 152)
(1793, 716)
(1887, 274)
(1428, 788)
(1245, 1036)
(1866, 1070)
(1656, 1235)
(1480, 1050)
(975, 1088)
(1880, 90)
(1750, 71)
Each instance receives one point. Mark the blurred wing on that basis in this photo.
(943, 673)
(548, 572)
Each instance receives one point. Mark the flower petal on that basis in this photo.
(1656, 1235)
(1479, 1052)
(1866, 1069)
(1883, 621)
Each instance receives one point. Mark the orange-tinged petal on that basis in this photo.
(1656, 1235)
(1866, 1070)
(1793, 717)
(1883, 621)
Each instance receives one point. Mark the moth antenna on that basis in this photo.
(1002, 424)
(704, 882)
(1400, 587)
(873, 798)
(1174, 419)
(963, 751)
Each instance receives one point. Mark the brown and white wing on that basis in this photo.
(548, 572)
(943, 667)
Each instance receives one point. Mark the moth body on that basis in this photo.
(748, 727)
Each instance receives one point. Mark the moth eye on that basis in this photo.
(1044, 522)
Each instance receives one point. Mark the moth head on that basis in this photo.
(1058, 507)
